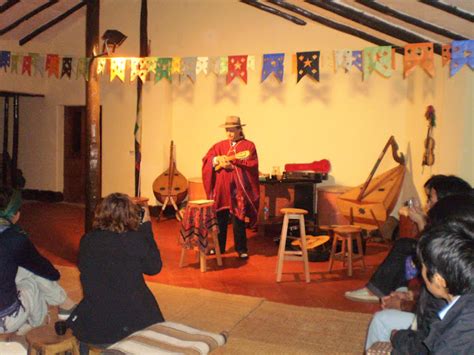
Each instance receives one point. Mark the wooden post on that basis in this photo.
(144, 51)
(6, 109)
(93, 158)
(16, 131)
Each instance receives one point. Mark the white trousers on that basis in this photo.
(35, 294)
(383, 322)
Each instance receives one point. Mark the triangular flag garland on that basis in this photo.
(380, 59)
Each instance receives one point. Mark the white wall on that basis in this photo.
(341, 118)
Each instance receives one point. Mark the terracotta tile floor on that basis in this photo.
(56, 228)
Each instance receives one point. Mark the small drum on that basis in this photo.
(196, 189)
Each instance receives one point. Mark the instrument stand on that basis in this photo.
(170, 199)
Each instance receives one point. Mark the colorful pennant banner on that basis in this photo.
(371, 59)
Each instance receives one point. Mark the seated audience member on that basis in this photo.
(27, 279)
(398, 307)
(390, 275)
(446, 252)
(112, 260)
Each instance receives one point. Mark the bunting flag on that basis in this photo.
(214, 65)
(15, 59)
(117, 68)
(462, 52)
(445, 53)
(202, 65)
(308, 63)
(145, 66)
(237, 67)
(357, 59)
(377, 59)
(176, 65)
(26, 67)
(224, 65)
(250, 62)
(163, 69)
(326, 61)
(5, 59)
(273, 63)
(134, 68)
(418, 54)
(188, 68)
(52, 65)
(37, 62)
(101, 65)
(343, 59)
(83, 68)
(66, 67)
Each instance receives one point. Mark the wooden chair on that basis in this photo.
(201, 211)
(346, 235)
(44, 340)
(297, 214)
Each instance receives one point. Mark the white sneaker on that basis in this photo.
(362, 295)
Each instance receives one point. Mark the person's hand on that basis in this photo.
(146, 216)
(392, 334)
(391, 302)
(416, 214)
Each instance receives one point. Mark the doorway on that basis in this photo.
(75, 153)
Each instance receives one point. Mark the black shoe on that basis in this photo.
(243, 256)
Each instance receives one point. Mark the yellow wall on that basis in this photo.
(341, 118)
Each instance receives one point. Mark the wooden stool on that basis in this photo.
(199, 217)
(44, 340)
(298, 214)
(345, 234)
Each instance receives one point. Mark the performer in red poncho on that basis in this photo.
(230, 178)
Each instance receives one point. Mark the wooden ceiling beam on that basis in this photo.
(27, 16)
(335, 25)
(274, 11)
(372, 22)
(386, 10)
(51, 23)
(7, 5)
(453, 10)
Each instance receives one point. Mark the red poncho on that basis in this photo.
(236, 189)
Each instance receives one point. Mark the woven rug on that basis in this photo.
(255, 326)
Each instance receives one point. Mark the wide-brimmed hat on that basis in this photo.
(232, 122)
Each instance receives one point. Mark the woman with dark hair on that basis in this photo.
(112, 260)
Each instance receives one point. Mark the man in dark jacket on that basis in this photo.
(27, 280)
(446, 252)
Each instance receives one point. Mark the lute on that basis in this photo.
(237, 156)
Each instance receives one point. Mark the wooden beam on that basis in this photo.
(453, 10)
(51, 23)
(372, 22)
(274, 11)
(144, 51)
(8, 4)
(93, 144)
(373, 4)
(27, 16)
(335, 25)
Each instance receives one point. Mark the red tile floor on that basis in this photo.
(56, 229)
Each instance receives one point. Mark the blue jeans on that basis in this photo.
(383, 322)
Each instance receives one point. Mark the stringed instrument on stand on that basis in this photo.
(372, 202)
(171, 187)
(428, 154)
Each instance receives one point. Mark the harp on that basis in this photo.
(372, 202)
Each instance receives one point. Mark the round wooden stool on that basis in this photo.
(298, 214)
(44, 340)
(199, 221)
(345, 234)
